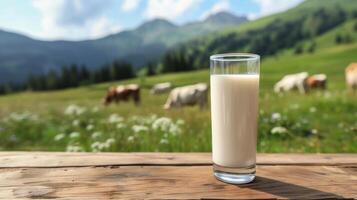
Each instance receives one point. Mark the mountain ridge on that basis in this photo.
(22, 56)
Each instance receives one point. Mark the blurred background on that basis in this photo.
(64, 64)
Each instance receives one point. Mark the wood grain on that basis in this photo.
(56, 159)
(46, 175)
(175, 182)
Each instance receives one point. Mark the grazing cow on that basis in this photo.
(317, 81)
(292, 82)
(123, 93)
(351, 76)
(161, 88)
(188, 95)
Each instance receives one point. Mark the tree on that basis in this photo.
(142, 73)
(354, 14)
(347, 39)
(151, 69)
(298, 49)
(51, 80)
(312, 47)
(65, 78)
(84, 76)
(74, 82)
(338, 39)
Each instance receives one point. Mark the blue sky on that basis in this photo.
(88, 19)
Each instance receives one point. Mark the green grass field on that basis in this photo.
(75, 120)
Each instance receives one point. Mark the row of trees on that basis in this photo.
(72, 76)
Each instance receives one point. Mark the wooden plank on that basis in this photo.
(52, 159)
(176, 182)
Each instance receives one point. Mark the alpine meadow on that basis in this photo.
(316, 36)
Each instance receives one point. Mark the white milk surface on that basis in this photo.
(234, 110)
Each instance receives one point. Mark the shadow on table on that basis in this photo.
(287, 190)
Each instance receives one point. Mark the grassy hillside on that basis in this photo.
(317, 122)
(310, 26)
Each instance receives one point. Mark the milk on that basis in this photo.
(234, 110)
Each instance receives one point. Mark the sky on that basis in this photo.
(91, 19)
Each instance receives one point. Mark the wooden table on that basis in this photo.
(36, 175)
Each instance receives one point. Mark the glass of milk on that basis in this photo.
(234, 113)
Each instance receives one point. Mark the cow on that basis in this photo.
(161, 88)
(292, 82)
(188, 95)
(351, 76)
(123, 93)
(318, 81)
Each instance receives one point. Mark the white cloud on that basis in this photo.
(268, 7)
(129, 5)
(168, 9)
(222, 5)
(74, 19)
(102, 27)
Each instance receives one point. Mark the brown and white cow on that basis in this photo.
(188, 95)
(123, 93)
(351, 76)
(317, 81)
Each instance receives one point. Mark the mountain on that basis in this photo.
(307, 28)
(21, 56)
(224, 18)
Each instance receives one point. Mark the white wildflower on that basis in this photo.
(23, 116)
(90, 127)
(96, 134)
(59, 137)
(166, 125)
(121, 125)
(139, 128)
(74, 109)
(74, 148)
(162, 123)
(110, 141)
(279, 130)
(174, 129)
(75, 122)
(312, 109)
(130, 138)
(105, 145)
(304, 121)
(275, 116)
(314, 131)
(74, 135)
(95, 109)
(340, 125)
(164, 141)
(95, 145)
(115, 118)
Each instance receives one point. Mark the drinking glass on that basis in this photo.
(234, 114)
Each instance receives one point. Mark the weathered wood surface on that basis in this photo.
(60, 159)
(171, 176)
